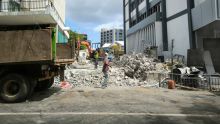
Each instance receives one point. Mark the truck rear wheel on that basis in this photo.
(14, 88)
(44, 85)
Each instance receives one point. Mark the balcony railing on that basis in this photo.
(29, 5)
(11, 6)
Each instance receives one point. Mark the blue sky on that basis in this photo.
(92, 15)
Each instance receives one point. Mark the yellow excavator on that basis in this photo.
(117, 50)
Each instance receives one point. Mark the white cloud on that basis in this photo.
(110, 25)
(95, 12)
(89, 16)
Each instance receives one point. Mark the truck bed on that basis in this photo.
(31, 46)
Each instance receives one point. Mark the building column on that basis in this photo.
(129, 13)
(147, 8)
(190, 5)
(137, 12)
(124, 26)
(164, 26)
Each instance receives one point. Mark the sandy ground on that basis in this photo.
(114, 106)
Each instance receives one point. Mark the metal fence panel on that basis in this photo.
(204, 82)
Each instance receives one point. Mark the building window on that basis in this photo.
(132, 6)
(14, 5)
(62, 37)
(154, 9)
(140, 1)
(142, 16)
(133, 22)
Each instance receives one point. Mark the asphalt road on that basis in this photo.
(115, 106)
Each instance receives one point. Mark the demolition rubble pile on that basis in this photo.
(140, 65)
(129, 71)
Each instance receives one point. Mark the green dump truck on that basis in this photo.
(30, 58)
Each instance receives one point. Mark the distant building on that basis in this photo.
(111, 35)
(96, 45)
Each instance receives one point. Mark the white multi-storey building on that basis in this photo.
(111, 35)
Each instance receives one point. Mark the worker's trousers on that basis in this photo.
(105, 81)
(96, 63)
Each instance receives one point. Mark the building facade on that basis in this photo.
(111, 35)
(206, 28)
(157, 23)
(173, 25)
(35, 13)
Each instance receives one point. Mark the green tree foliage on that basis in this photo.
(74, 37)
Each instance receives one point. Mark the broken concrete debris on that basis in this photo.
(138, 66)
(129, 71)
(133, 71)
(136, 71)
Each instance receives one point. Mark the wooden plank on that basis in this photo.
(25, 46)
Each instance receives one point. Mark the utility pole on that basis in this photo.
(172, 47)
(172, 63)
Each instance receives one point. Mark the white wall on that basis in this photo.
(151, 35)
(159, 37)
(204, 13)
(60, 5)
(142, 5)
(175, 6)
(126, 1)
(178, 30)
(134, 43)
(127, 12)
(197, 2)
